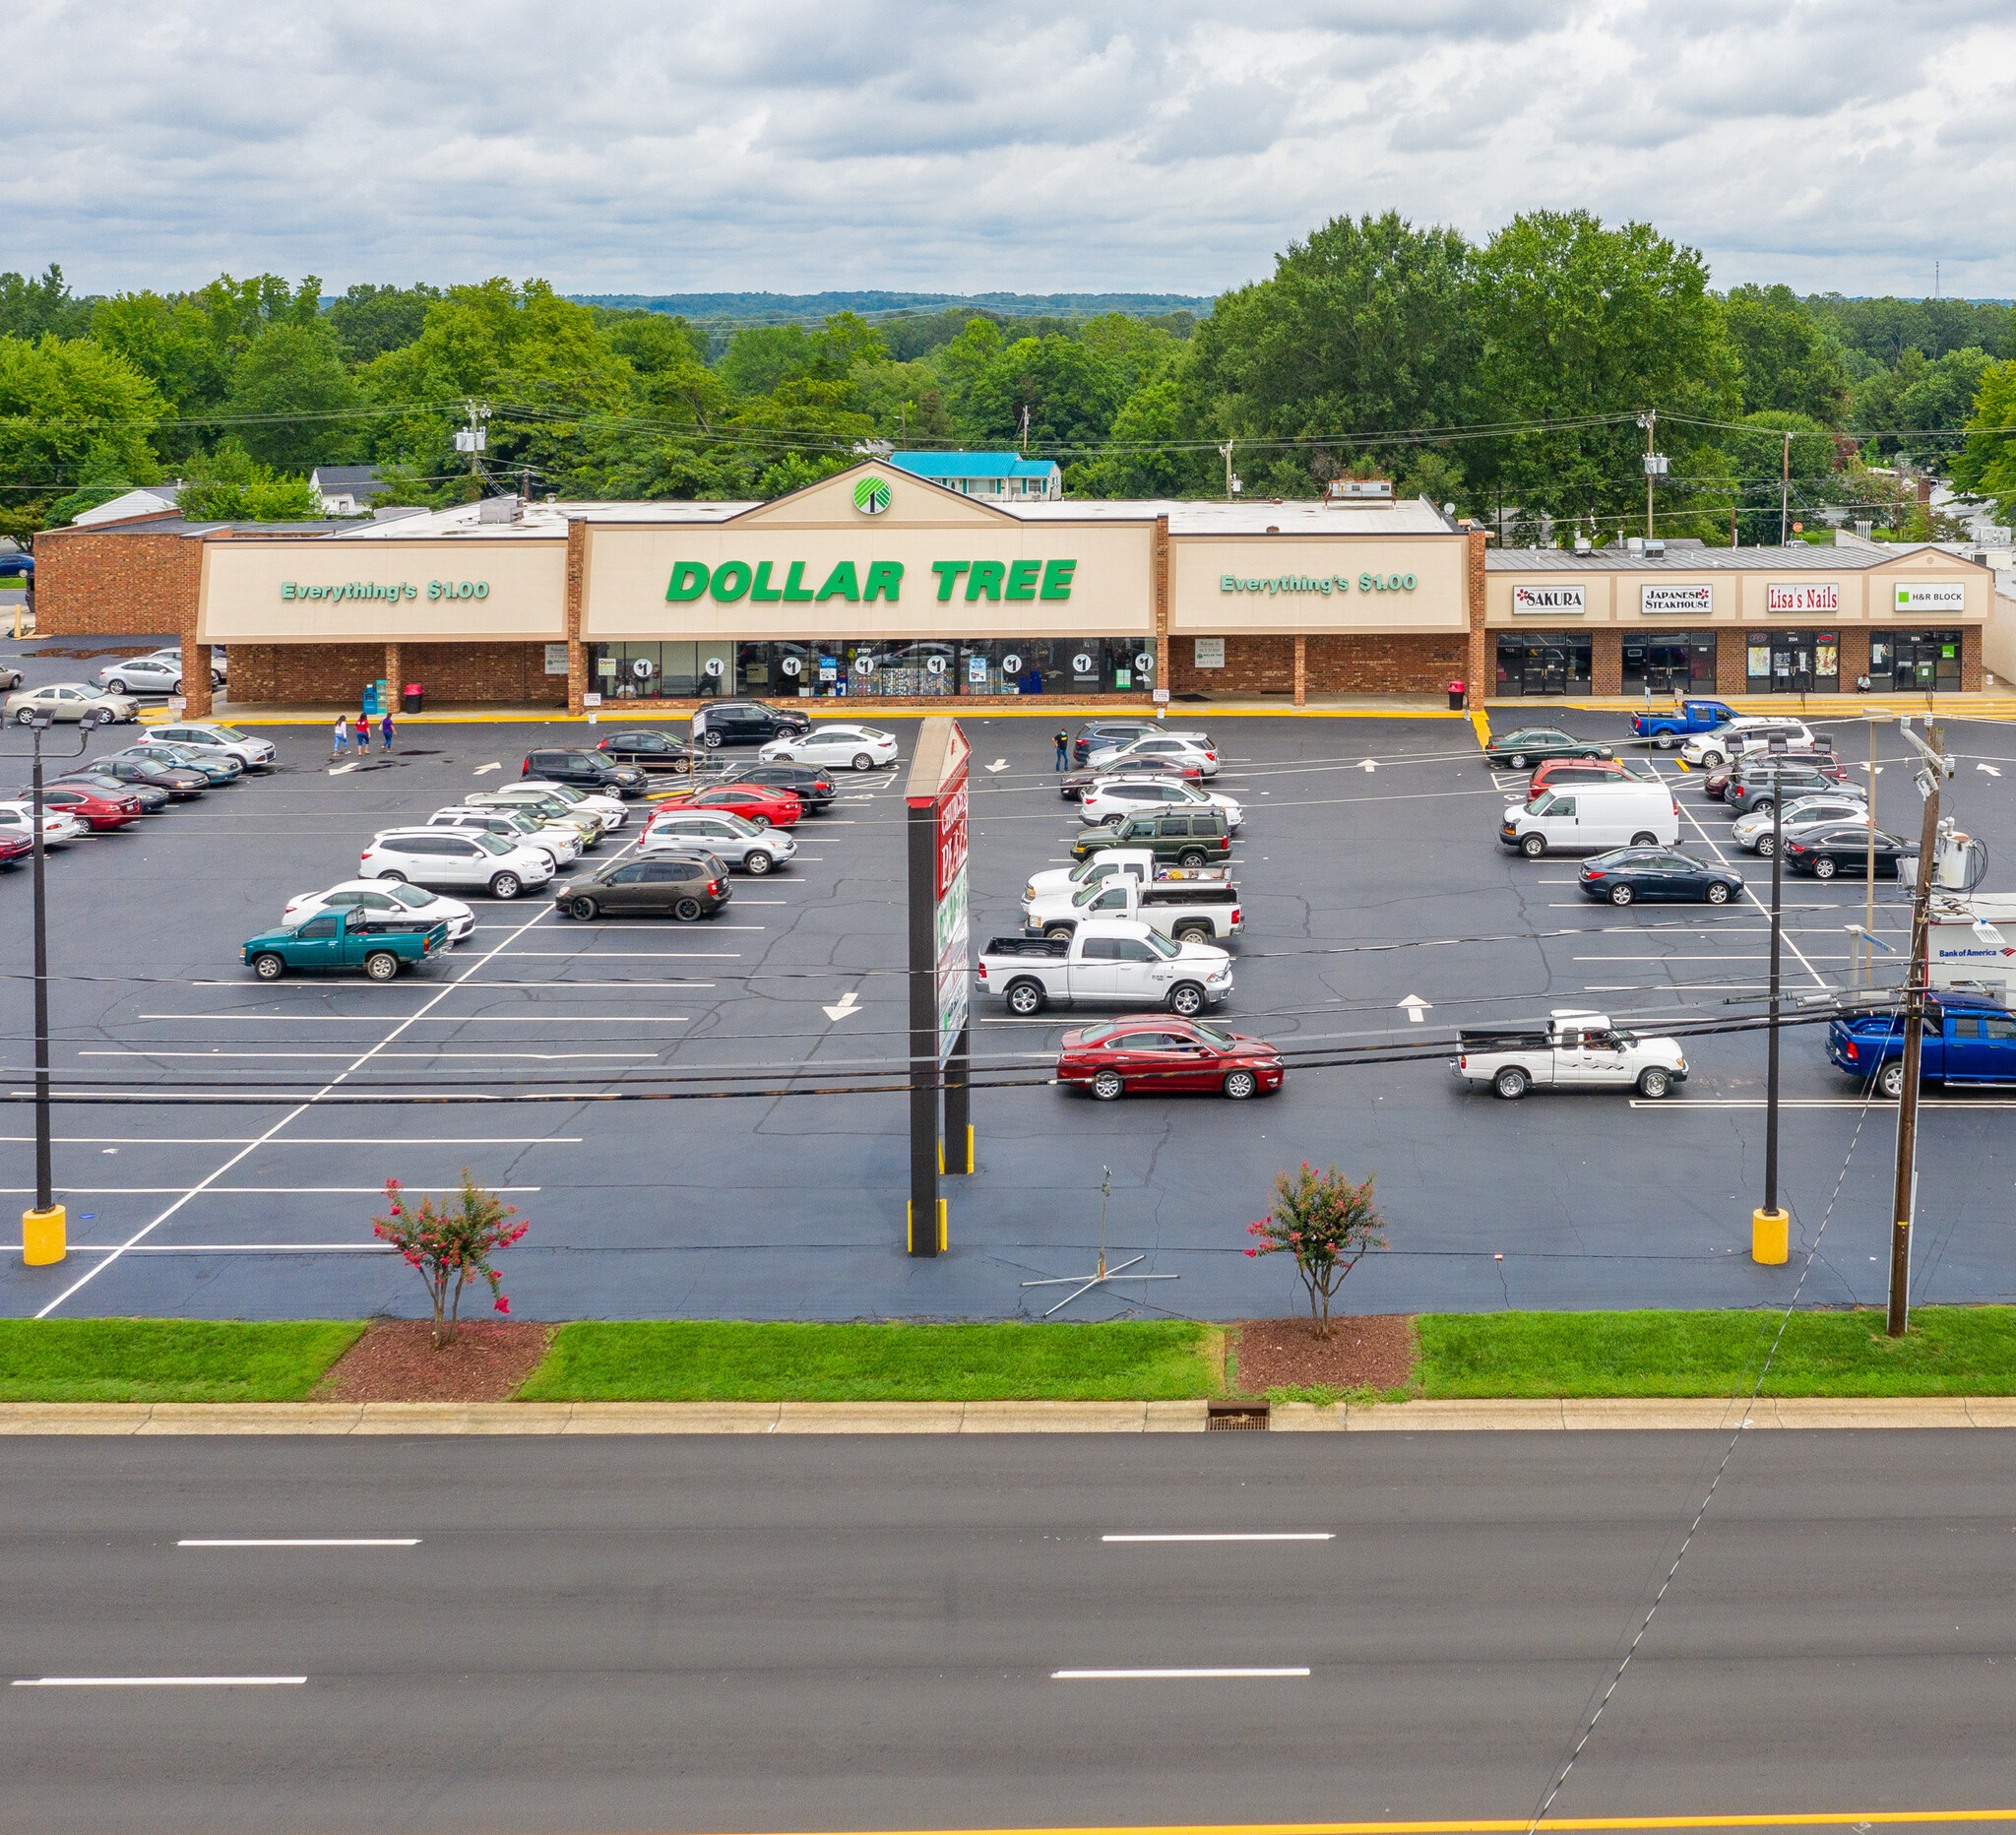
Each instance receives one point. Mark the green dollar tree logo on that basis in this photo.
(871, 496)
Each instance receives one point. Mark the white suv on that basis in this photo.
(228, 741)
(542, 804)
(1159, 748)
(457, 858)
(1747, 733)
(608, 807)
(560, 842)
(1110, 798)
(737, 840)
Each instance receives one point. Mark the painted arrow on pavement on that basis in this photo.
(481, 769)
(1414, 1006)
(1990, 769)
(850, 1004)
(999, 764)
(1369, 764)
(336, 771)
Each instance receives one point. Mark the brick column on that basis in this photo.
(1606, 661)
(577, 652)
(394, 676)
(1159, 575)
(1301, 670)
(1854, 659)
(1970, 659)
(1480, 674)
(196, 701)
(1732, 665)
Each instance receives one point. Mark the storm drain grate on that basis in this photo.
(1229, 1416)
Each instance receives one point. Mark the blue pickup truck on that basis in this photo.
(343, 939)
(1666, 730)
(1967, 1040)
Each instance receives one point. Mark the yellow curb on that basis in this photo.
(1483, 723)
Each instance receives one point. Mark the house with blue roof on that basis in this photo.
(1005, 478)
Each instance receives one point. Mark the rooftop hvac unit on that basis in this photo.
(497, 510)
(1361, 490)
(1653, 545)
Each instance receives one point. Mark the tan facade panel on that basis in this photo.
(320, 592)
(969, 572)
(1262, 584)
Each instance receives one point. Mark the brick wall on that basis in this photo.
(335, 675)
(1855, 655)
(1335, 663)
(1731, 662)
(91, 582)
(1970, 659)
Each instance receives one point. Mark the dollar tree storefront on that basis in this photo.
(873, 584)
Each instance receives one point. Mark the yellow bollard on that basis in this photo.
(1770, 1236)
(43, 1236)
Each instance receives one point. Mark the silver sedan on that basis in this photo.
(69, 701)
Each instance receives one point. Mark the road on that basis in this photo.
(712, 1635)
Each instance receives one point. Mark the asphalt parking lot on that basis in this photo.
(1369, 873)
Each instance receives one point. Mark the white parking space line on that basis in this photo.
(304, 1140)
(228, 1248)
(294, 1115)
(236, 1191)
(1306, 1535)
(1821, 1101)
(431, 1058)
(1750, 893)
(159, 1682)
(298, 1541)
(1166, 1675)
(1841, 957)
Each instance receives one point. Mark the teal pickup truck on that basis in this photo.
(341, 940)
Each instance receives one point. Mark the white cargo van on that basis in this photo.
(1586, 818)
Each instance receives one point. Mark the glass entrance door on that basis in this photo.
(1921, 662)
(1794, 662)
(1543, 663)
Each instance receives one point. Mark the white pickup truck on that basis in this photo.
(1193, 904)
(1574, 1051)
(1109, 962)
(1138, 862)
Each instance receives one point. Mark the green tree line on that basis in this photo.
(1506, 376)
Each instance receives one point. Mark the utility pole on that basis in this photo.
(1655, 462)
(1025, 430)
(44, 1229)
(472, 438)
(1784, 494)
(1224, 452)
(1771, 1227)
(1903, 1185)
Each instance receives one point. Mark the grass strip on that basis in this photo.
(1948, 1351)
(729, 1360)
(167, 1360)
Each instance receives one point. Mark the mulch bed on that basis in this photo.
(1373, 1351)
(396, 1362)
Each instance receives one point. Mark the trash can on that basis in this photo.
(414, 698)
(1456, 693)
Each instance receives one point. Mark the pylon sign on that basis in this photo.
(940, 976)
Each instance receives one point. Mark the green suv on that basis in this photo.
(1196, 837)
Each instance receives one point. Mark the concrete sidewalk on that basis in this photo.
(1706, 1414)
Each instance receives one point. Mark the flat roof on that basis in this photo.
(1795, 557)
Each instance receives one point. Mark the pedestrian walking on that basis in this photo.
(385, 731)
(1063, 749)
(340, 740)
(364, 733)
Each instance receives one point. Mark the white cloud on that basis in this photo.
(797, 145)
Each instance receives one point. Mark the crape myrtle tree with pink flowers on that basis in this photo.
(448, 1242)
(1327, 1224)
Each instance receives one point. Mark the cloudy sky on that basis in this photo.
(631, 146)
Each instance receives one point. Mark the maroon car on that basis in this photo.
(95, 809)
(1156, 1053)
(15, 848)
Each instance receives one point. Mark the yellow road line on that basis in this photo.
(1831, 1818)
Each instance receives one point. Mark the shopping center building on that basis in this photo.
(880, 584)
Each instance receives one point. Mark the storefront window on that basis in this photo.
(1543, 663)
(1924, 661)
(1792, 662)
(918, 669)
(1672, 662)
(647, 671)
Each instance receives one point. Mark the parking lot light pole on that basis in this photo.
(1771, 1228)
(44, 1229)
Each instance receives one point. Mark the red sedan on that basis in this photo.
(97, 809)
(765, 804)
(15, 848)
(1157, 1052)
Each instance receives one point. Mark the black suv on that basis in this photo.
(1194, 838)
(746, 722)
(815, 785)
(586, 771)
